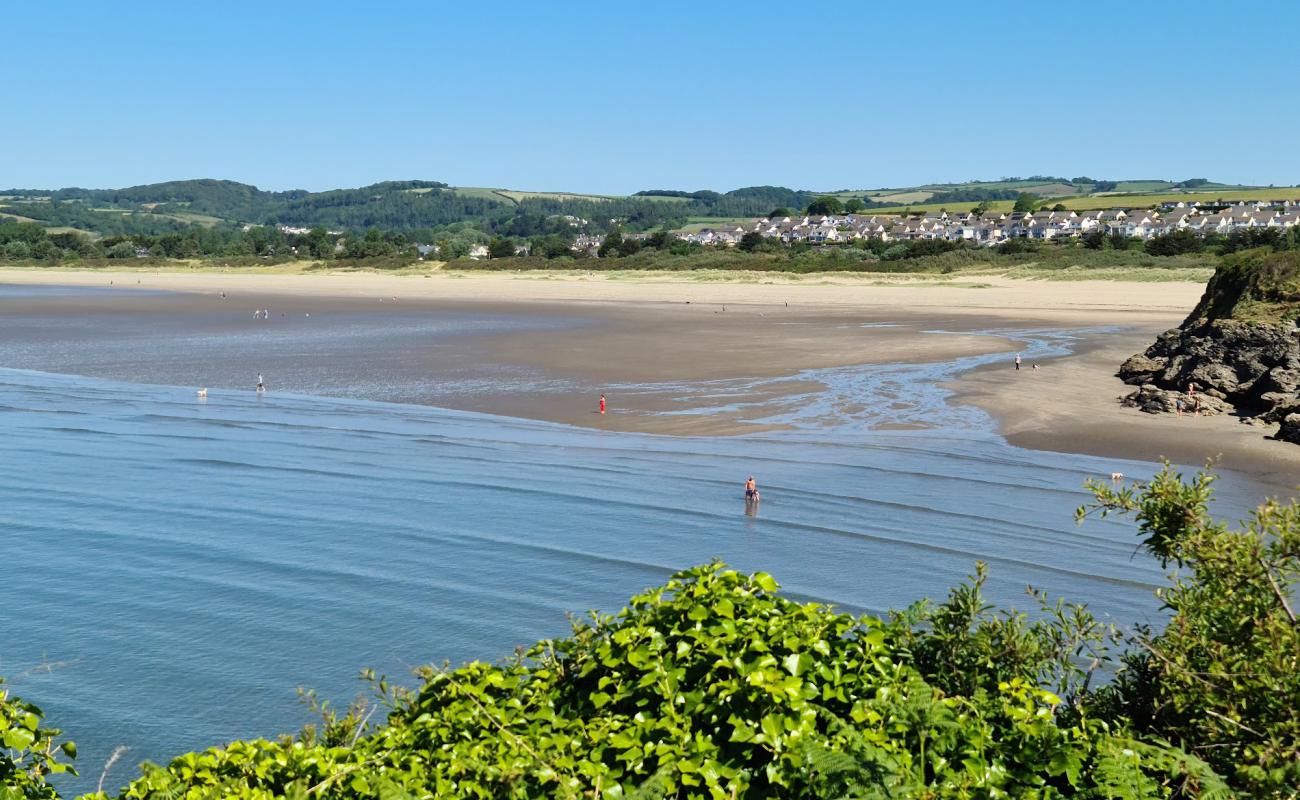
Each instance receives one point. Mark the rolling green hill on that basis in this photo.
(431, 206)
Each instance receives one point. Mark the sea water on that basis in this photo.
(172, 568)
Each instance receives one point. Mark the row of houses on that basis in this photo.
(992, 228)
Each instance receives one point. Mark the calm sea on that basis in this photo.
(172, 568)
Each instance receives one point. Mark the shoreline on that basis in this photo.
(652, 336)
(1074, 408)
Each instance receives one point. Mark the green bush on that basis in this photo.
(28, 753)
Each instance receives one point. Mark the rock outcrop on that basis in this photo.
(1238, 352)
(1154, 400)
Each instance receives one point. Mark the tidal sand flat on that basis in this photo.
(677, 354)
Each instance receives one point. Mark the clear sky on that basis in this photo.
(614, 97)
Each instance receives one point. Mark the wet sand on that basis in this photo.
(663, 366)
(1070, 405)
(666, 342)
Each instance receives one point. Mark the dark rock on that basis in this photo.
(1290, 430)
(1154, 400)
(1240, 346)
(1249, 367)
(1141, 368)
(1283, 379)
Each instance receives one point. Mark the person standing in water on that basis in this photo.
(602, 404)
(751, 490)
(261, 387)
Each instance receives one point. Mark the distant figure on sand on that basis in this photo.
(602, 404)
(261, 387)
(751, 490)
(1017, 362)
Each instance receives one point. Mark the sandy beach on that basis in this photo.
(668, 342)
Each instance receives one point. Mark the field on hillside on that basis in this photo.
(516, 196)
(1093, 202)
(10, 215)
(700, 223)
(919, 196)
(1143, 186)
(920, 208)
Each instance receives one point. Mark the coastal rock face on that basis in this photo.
(1240, 347)
(1290, 430)
(1253, 366)
(1154, 400)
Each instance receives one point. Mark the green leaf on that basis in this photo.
(798, 663)
(19, 738)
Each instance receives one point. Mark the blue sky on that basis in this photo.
(615, 97)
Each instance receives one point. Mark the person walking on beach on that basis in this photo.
(751, 490)
(602, 404)
(1017, 362)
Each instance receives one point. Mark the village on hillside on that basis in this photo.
(995, 227)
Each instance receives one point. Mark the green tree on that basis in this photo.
(1027, 201)
(853, 205)
(825, 206)
(779, 213)
(612, 246)
(319, 244)
(659, 240)
(123, 249)
(74, 242)
(1175, 243)
(629, 246)
(552, 246)
(751, 241)
(18, 250)
(501, 248)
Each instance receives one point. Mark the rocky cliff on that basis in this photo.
(1240, 348)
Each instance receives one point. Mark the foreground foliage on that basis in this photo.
(1223, 678)
(28, 752)
(714, 685)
